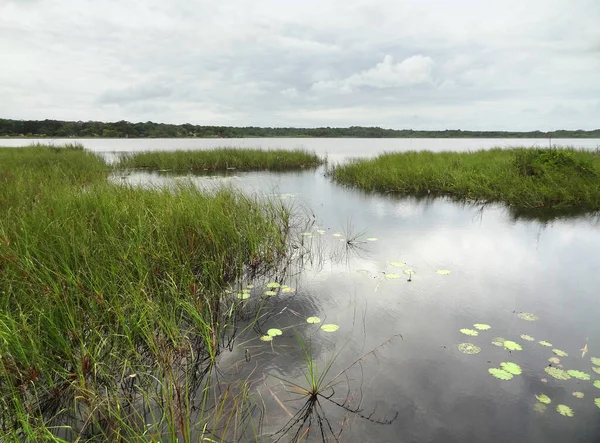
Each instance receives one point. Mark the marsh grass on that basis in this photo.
(222, 159)
(521, 177)
(113, 306)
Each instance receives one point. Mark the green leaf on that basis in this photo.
(596, 370)
(274, 332)
(543, 398)
(564, 410)
(321, 231)
(243, 295)
(330, 327)
(498, 341)
(595, 361)
(597, 402)
(557, 373)
(337, 234)
(470, 332)
(578, 394)
(481, 326)
(313, 320)
(443, 272)
(511, 368)
(266, 338)
(273, 285)
(545, 343)
(554, 360)
(270, 293)
(398, 264)
(539, 407)
(469, 348)
(500, 373)
(560, 353)
(527, 337)
(250, 287)
(527, 316)
(512, 346)
(372, 239)
(392, 276)
(597, 384)
(288, 290)
(579, 375)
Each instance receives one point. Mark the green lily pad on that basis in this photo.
(597, 384)
(578, 394)
(273, 285)
(392, 276)
(539, 407)
(287, 290)
(545, 343)
(243, 295)
(321, 231)
(596, 370)
(250, 287)
(270, 293)
(313, 320)
(557, 373)
(560, 353)
(564, 410)
(554, 360)
(512, 346)
(595, 361)
(500, 373)
(337, 234)
(543, 398)
(274, 332)
(498, 341)
(470, 332)
(330, 327)
(372, 239)
(443, 272)
(527, 316)
(469, 348)
(579, 375)
(511, 368)
(397, 264)
(266, 338)
(527, 337)
(481, 326)
(409, 271)
(597, 402)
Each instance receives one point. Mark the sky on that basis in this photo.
(420, 64)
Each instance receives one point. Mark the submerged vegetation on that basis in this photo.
(222, 159)
(520, 177)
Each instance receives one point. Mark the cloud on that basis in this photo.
(134, 94)
(290, 92)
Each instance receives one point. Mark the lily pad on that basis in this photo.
(579, 375)
(469, 348)
(527, 337)
(527, 316)
(372, 239)
(409, 271)
(597, 402)
(330, 327)
(578, 394)
(397, 264)
(481, 326)
(560, 353)
(543, 398)
(470, 332)
(595, 361)
(539, 407)
(266, 338)
(321, 231)
(554, 360)
(270, 293)
(597, 384)
(274, 332)
(392, 276)
(500, 373)
(511, 368)
(313, 320)
(443, 272)
(273, 285)
(596, 370)
(564, 410)
(557, 373)
(337, 234)
(498, 341)
(545, 343)
(250, 287)
(512, 346)
(243, 295)
(288, 290)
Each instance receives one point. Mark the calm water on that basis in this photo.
(501, 264)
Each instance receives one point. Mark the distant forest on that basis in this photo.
(124, 129)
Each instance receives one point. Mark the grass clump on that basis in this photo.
(222, 159)
(112, 298)
(520, 177)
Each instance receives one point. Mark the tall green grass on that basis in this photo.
(112, 299)
(521, 177)
(222, 159)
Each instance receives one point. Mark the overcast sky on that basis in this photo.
(421, 64)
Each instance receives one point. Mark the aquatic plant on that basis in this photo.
(543, 398)
(313, 320)
(564, 410)
(545, 343)
(512, 346)
(557, 373)
(578, 394)
(511, 368)
(469, 348)
(330, 327)
(274, 332)
(527, 316)
(443, 272)
(500, 374)
(481, 326)
(527, 337)
(596, 384)
(595, 361)
(580, 375)
(470, 332)
(560, 353)
(597, 402)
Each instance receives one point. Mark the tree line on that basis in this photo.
(125, 129)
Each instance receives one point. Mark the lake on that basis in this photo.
(529, 277)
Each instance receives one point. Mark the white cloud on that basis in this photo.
(290, 92)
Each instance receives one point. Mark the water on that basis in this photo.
(399, 338)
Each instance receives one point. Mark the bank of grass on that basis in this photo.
(221, 159)
(112, 302)
(520, 177)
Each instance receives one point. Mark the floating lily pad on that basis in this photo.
(579, 375)
(250, 287)
(288, 290)
(498, 341)
(560, 353)
(578, 394)
(545, 343)
(243, 295)
(270, 293)
(500, 373)
(564, 410)
(527, 316)
(469, 348)
(330, 327)
(397, 264)
(470, 332)
(273, 285)
(511, 368)
(597, 384)
(554, 360)
(481, 326)
(392, 276)
(527, 337)
(313, 320)
(597, 402)
(557, 373)
(266, 338)
(321, 231)
(443, 272)
(543, 398)
(372, 239)
(337, 234)
(246, 290)
(539, 407)
(595, 361)
(274, 332)
(596, 370)
(512, 346)
(409, 271)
